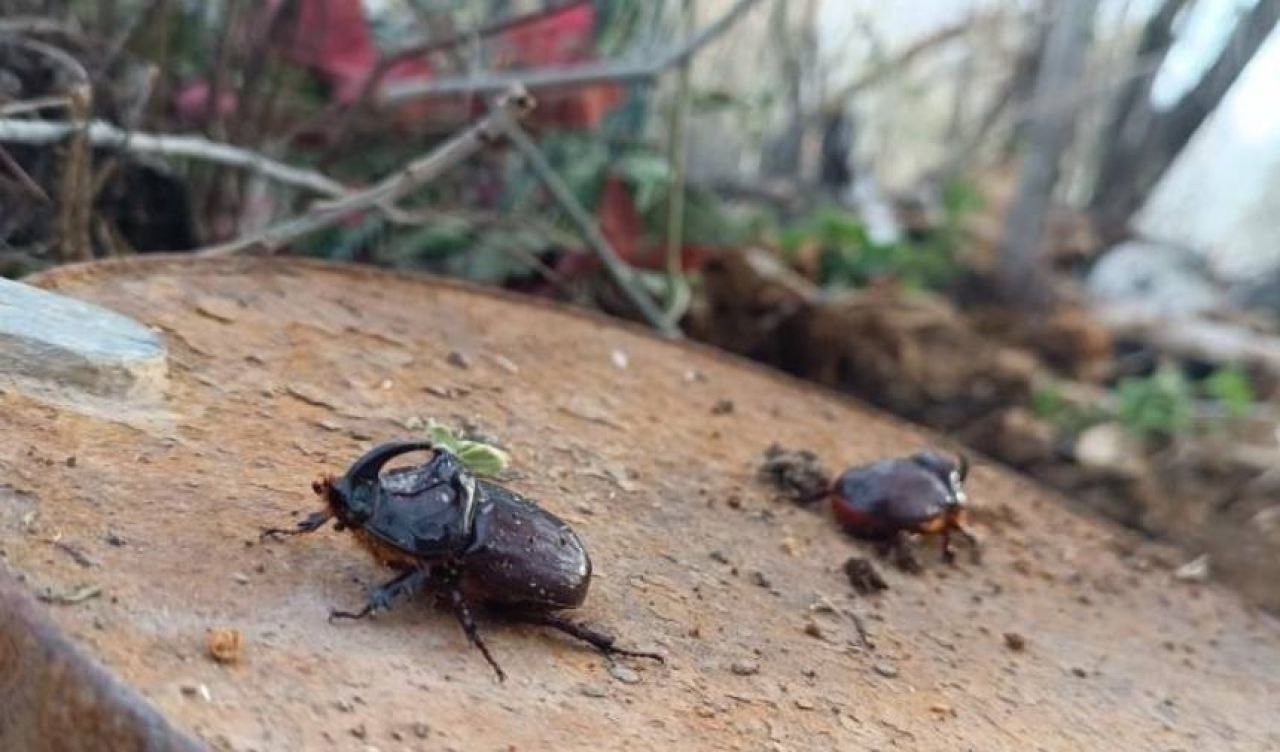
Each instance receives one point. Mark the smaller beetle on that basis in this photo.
(890, 500)
(471, 541)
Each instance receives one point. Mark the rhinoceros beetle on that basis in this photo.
(472, 542)
(891, 499)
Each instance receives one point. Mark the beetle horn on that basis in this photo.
(367, 467)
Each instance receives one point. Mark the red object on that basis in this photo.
(620, 223)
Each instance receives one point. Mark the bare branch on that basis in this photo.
(569, 76)
(26, 181)
(1195, 337)
(391, 189)
(618, 269)
(1021, 251)
(75, 208)
(32, 105)
(678, 293)
(76, 73)
(105, 135)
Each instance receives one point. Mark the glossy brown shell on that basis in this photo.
(878, 500)
(524, 555)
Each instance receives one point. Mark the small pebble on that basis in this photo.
(805, 704)
(224, 645)
(624, 674)
(1077, 671)
(591, 690)
(813, 630)
(344, 706)
(505, 363)
(745, 668)
(359, 732)
(887, 670)
(421, 730)
(722, 407)
(1015, 641)
(718, 556)
(241, 578)
(758, 579)
(1196, 570)
(459, 360)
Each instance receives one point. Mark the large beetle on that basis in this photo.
(472, 542)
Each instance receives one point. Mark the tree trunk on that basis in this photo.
(1049, 133)
(1145, 141)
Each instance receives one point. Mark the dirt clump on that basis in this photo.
(796, 473)
(863, 575)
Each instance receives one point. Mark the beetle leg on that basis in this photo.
(903, 555)
(599, 640)
(975, 546)
(462, 610)
(308, 524)
(405, 583)
(948, 551)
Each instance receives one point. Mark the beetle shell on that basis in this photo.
(523, 555)
(879, 500)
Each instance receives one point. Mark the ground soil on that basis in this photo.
(1070, 635)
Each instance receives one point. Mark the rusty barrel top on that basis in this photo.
(280, 370)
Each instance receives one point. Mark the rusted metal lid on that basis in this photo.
(140, 529)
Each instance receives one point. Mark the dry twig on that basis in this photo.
(578, 75)
(389, 190)
(105, 135)
(618, 269)
(75, 202)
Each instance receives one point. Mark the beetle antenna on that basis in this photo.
(962, 463)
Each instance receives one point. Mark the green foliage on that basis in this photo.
(459, 247)
(1231, 389)
(849, 258)
(1048, 404)
(480, 458)
(1160, 405)
(649, 176)
(961, 199)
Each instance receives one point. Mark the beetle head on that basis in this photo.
(952, 473)
(354, 497)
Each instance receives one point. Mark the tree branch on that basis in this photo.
(105, 135)
(1022, 248)
(618, 269)
(389, 190)
(569, 76)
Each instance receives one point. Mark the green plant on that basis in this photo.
(849, 258)
(478, 457)
(1159, 405)
(1047, 403)
(1231, 389)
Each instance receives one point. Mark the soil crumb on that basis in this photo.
(797, 474)
(863, 576)
(225, 645)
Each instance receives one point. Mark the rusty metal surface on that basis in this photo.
(53, 698)
(284, 369)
